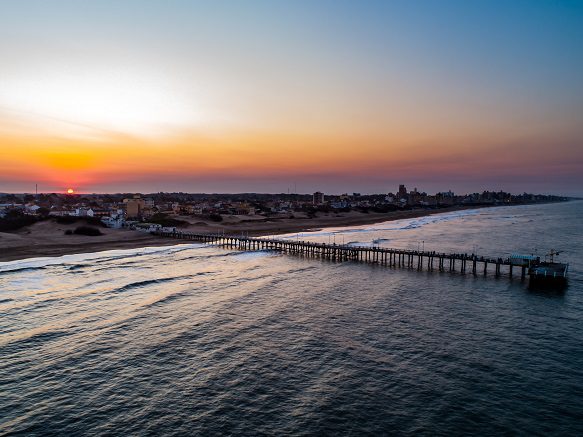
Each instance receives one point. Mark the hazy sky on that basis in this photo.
(267, 95)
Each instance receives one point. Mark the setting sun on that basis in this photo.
(70, 191)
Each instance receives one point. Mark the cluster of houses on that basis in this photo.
(136, 211)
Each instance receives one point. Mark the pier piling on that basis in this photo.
(411, 259)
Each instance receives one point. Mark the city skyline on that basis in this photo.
(271, 96)
(290, 192)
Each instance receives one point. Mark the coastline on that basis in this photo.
(47, 239)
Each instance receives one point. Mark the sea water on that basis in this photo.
(195, 339)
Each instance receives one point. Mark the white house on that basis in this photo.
(147, 227)
(31, 209)
(83, 212)
(115, 221)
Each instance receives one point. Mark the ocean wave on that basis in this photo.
(301, 270)
(151, 250)
(34, 340)
(226, 253)
(74, 267)
(124, 265)
(360, 244)
(103, 257)
(146, 282)
(21, 270)
(166, 299)
(254, 253)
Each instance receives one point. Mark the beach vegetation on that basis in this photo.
(166, 221)
(87, 230)
(16, 220)
(69, 220)
(215, 217)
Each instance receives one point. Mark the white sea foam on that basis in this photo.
(392, 225)
(41, 262)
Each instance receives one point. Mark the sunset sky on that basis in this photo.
(337, 96)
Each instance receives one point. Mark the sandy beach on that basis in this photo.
(47, 238)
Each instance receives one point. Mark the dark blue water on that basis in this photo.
(203, 340)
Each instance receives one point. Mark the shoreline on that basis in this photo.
(363, 220)
(50, 241)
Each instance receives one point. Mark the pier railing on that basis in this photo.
(406, 258)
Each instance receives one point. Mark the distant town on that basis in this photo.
(150, 212)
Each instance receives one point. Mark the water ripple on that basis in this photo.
(203, 340)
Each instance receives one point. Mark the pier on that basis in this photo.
(404, 258)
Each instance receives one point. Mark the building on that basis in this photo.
(134, 207)
(83, 212)
(402, 192)
(31, 209)
(115, 221)
(445, 198)
(318, 198)
(146, 227)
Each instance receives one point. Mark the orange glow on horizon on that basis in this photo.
(97, 158)
(119, 159)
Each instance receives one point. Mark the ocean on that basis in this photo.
(201, 340)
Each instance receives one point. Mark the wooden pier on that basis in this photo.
(404, 258)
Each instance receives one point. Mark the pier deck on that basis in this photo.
(412, 259)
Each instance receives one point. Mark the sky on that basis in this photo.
(277, 96)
